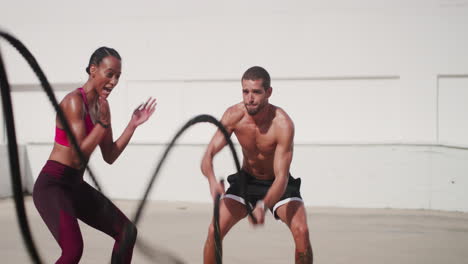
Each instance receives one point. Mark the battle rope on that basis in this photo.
(14, 160)
(243, 180)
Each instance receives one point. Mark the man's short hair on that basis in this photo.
(256, 73)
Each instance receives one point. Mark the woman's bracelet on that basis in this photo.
(102, 124)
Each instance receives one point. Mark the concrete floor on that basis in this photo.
(338, 236)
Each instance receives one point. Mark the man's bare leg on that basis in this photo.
(230, 212)
(294, 216)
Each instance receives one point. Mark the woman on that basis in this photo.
(60, 194)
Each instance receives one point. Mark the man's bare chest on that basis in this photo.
(254, 139)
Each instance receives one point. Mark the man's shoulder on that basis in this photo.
(282, 118)
(234, 113)
(236, 110)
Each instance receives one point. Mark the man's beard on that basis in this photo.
(254, 111)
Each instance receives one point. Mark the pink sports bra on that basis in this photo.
(61, 135)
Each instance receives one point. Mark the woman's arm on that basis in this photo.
(74, 113)
(111, 150)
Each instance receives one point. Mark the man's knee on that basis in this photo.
(300, 231)
(211, 232)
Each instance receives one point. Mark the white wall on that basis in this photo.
(387, 74)
(453, 109)
(376, 176)
(5, 181)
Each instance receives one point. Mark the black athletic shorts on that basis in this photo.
(257, 189)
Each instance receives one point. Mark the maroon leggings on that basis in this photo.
(62, 197)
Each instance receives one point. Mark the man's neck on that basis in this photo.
(263, 115)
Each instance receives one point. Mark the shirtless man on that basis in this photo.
(266, 135)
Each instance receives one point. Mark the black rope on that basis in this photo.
(243, 185)
(191, 122)
(27, 55)
(14, 159)
(13, 147)
(217, 233)
(14, 167)
(12, 142)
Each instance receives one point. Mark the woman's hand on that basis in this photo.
(143, 112)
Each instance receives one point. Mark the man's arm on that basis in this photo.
(216, 144)
(281, 162)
